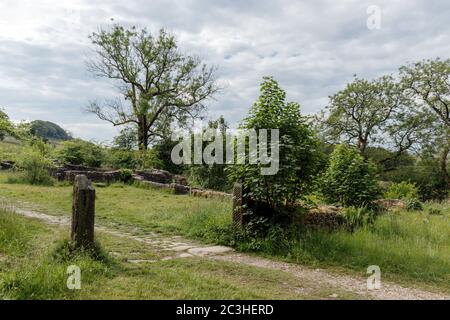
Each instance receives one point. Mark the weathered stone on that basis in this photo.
(322, 217)
(174, 187)
(83, 212)
(6, 165)
(180, 180)
(202, 193)
(155, 175)
(95, 176)
(179, 188)
(390, 204)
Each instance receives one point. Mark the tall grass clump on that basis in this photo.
(46, 277)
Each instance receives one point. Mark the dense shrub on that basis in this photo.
(356, 217)
(349, 180)
(148, 159)
(80, 152)
(34, 168)
(126, 175)
(402, 190)
(413, 204)
(163, 151)
(211, 176)
(274, 196)
(426, 175)
(122, 158)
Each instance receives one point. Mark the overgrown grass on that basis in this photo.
(37, 269)
(411, 247)
(130, 207)
(9, 149)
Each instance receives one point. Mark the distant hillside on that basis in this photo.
(48, 130)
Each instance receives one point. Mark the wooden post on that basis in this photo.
(83, 212)
(238, 220)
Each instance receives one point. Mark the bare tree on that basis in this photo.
(159, 84)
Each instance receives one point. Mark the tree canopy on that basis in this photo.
(159, 85)
(363, 109)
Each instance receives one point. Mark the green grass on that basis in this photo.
(130, 207)
(31, 269)
(410, 247)
(9, 149)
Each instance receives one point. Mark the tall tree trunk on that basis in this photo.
(143, 133)
(362, 144)
(444, 163)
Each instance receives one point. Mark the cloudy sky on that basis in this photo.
(313, 48)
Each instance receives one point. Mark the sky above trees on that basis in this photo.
(313, 49)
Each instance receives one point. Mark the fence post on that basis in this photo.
(83, 212)
(238, 221)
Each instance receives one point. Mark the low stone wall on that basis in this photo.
(160, 176)
(322, 217)
(390, 204)
(158, 179)
(95, 176)
(174, 187)
(203, 193)
(62, 174)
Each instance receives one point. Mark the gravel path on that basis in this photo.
(179, 247)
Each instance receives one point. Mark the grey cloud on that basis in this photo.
(312, 48)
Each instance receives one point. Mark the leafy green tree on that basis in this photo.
(212, 176)
(126, 139)
(298, 154)
(361, 112)
(428, 81)
(5, 125)
(159, 84)
(350, 180)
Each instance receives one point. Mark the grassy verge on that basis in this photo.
(410, 247)
(34, 265)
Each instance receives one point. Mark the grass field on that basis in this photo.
(31, 268)
(412, 248)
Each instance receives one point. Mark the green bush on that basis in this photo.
(34, 169)
(274, 196)
(163, 153)
(122, 159)
(148, 159)
(413, 204)
(126, 175)
(211, 176)
(349, 180)
(402, 190)
(80, 152)
(358, 217)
